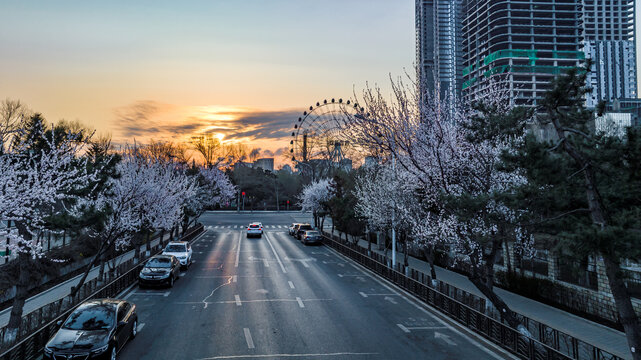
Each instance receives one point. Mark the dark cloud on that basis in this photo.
(153, 119)
(135, 119)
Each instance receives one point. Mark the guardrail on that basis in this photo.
(31, 346)
(469, 310)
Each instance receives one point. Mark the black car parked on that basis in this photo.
(160, 270)
(97, 329)
(301, 230)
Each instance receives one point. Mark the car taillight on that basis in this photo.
(248, 228)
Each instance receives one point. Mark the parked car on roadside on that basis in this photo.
(255, 229)
(160, 270)
(292, 228)
(181, 250)
(97, 329)
(312, 237)
(301, 230)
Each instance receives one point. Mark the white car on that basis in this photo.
(255, 229)
(181, 250)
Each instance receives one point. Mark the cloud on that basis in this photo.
(150, 119)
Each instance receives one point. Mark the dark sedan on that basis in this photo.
(300, 231)
(311, 237)
(160, 270)
(97, 329)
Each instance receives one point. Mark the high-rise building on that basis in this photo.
(523, 44)
(438, 45)
(609, 42)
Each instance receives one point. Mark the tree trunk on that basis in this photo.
(149, 241)
(428, 251)
(627, 315)
(22, 289)
(405, 252)
(322, 223)
(506, 313)
(74, 289)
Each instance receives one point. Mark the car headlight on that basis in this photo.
(100, 350)
(146, 270)
(48, 350)
(164, 275)
(182, 257)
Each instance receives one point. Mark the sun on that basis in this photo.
(220, 136)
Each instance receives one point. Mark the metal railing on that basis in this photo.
(40, 325)
(470, 310)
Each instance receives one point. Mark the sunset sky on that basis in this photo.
(170, 69)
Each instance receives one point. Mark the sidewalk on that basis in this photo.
(63, 289)
(593, 333)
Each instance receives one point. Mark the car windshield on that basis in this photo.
(95, 317)
(313, 233)
(253, 226)
(159, 262)
(175, 248)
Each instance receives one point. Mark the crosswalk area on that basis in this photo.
(244, 226)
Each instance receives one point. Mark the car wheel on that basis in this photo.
(113, 352)
(134, 329)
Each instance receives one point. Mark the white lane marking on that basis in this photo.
(280, 227)
(216, 227)
(127, 291)
(446, 338)
(240, 238)
(422, 307)
(291, 284)
(390, 299)
(248, 338)
(427, 328)
(204, 301)
(277, 356)
(339, 275)
(140, 326)
(300, 302)
(235, 278)
(305, 263)
(228, 226)
(265, 262)
(165, 294)
(250, 301)
(362, 294)
(403, 328)
(282, 267)
(238, 302)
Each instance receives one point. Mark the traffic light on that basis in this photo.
(243, 193)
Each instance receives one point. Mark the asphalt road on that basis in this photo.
(275, 298)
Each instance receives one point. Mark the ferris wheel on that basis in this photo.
(321, 135)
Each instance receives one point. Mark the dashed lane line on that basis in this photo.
(291, 284)
(248, 338)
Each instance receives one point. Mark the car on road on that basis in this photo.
(292, 228)
(181, 250)
(301, 230)
(160, 270)
(312, 237)
(97, 329)
(255, 229)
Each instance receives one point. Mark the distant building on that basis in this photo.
(286, 168)
(439, 45)
(627, 106)
(345, 165)
(265, 164)
(609, 41)
(370, 161)
(241, 164)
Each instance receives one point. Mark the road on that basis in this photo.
(275, 298)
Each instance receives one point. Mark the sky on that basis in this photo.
(170, 69)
